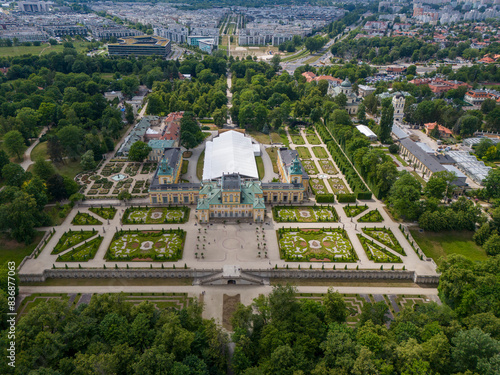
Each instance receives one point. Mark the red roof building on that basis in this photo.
(443, 132)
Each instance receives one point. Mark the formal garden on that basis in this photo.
(327, 166)
(320, 152)
(155, 215)
(82, 253)
(318, 186)
(373, 216)
(72, 238)
(104, 212)
(303, 152)
(376, 252)
(164, 245)
(352, 211)
(83, 218)
(315, 245)
(338, 185)
(310, 167)
(302, 214)
(385, 237)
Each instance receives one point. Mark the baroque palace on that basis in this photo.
(230, 187)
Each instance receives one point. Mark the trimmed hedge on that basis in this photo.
(325, 198)
(346, 198)
(364, 195)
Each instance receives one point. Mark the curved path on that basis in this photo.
(27, 154)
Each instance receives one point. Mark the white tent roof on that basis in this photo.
(366, 131)
(230, 152)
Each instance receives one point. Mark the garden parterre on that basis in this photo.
(386, 237)
(165, 245)
(305, 214)
(83, 218)
(72, 238)
(155, 215)
(377, 253)
(82, 253)
(315, 245)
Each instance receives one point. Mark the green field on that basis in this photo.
(441, 244)
(13, 251)
(39, 151)
(260, 167)
(199, 165)
(273, 154)
(42, 49)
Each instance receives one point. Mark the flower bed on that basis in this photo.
(310, 167)
(71, 238)
(386, 237)
(303, 152)
(318, 186)
(155, 215)
(331, 245)
(352, 211)
(82, 253)
(83, 218)
(373, 216)
(377, 253)
(338, 186)
(328, 167)
(164, 245)
(104, 212)
(305, 214)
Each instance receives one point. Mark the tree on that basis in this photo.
(29, 120)
(129, 113)
(386, 122)
(275, 62)
(440, 185)
(56, 187)
(482, 234)
(492, 245)
(405, 195)
(394, 148)
(488, 105)
(472, 349)
(492, 184)
(139, 151)
(341, 100)
(55, 149)
(335, 307)
(4, 160)
(220, 116)
(37, 189)
(71, 138)
(87, 161)
(14, 175)
(374, 312)
(371, 104)
(14, 143)
(467, 125)
(124, 195)
(412, 69)
(361, 114)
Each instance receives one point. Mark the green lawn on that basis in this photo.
(260, 167)
(80, 46)
(199, 165)
(297, 139)
(184, 168)
(441, 244)
(70, 168)
(273, 154)
(40, 151)
(320, 152)
(303, 152)
(313, 139)
(260, 137)
(13, 251)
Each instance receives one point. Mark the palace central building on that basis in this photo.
(231, 189)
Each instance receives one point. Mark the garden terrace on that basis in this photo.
(303, 152)
(305, 214)
(320, 152)
(352, 211)
(327, 166)
(385, 237)
(297, 139)
(313, 139)
(164, 245)
(104, 212)
(72, 238)
(315, 245)
(338, 185)
(373, 216)
(377, 253)
(318, 186)
(155, 215)
(310, 167)
(83, 218)
(82, 253)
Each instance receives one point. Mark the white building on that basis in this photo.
(398, 102)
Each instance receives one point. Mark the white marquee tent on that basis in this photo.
(230, 152)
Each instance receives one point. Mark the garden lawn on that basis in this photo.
(297, 139)
(275, 137)
(260, 137)
(310, 167)
(58, 213)
(184, 168)
(104, 212)
(320, 152)
(83, 218)
(386, 237)
(316, 245)
(352, 211)
(273, 154)
(338, 185)
(155, 215)
(305, 214)
(13, 251)
(72, 238)
(166, 245)
(377, 253)
(199, 165)
(260, 167)
(303, 152)
(82, 253)
(441, 244)
(313, 139)
(39, 152)
(70, 168)
(373, 216)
